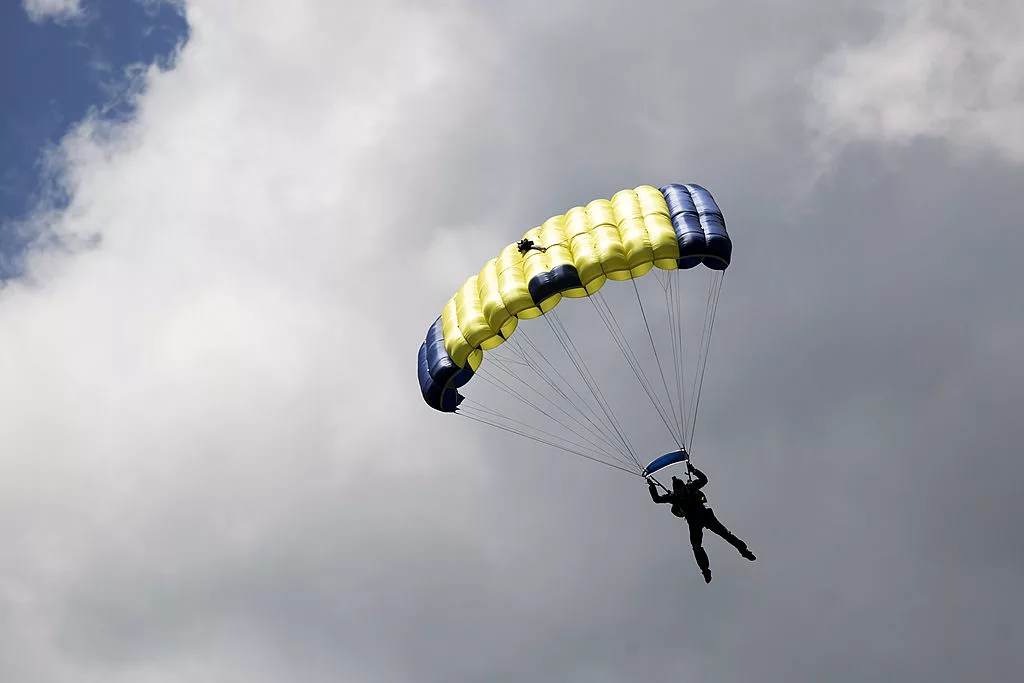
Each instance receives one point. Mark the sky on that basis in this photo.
(61, 61)
(216, 464)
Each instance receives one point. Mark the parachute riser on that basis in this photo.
(650, 477)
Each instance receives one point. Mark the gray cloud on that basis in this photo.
(947, 70)
(219, 465)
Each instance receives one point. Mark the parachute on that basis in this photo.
(551, 390)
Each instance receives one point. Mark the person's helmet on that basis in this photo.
(678, 483)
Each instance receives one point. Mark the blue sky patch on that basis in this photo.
(53, 73)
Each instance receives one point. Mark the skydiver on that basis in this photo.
(689, 503)
(526, 245)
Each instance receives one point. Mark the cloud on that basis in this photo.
(216, 464)
(228, 310)
(55, 10)
(939, 69)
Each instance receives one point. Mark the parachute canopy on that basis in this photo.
(572, 256)
(676, 227)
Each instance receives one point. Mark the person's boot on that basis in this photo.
(747, 554)
(707, 575)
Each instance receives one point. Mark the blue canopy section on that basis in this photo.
(666, 460)
(438, 374)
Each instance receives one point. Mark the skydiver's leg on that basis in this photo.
(712, 524)
(696, 539)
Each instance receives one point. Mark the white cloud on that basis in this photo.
(948, 69)
(243, 328)
(57, 10)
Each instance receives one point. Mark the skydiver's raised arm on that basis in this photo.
(655, 496)
(701, 478)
